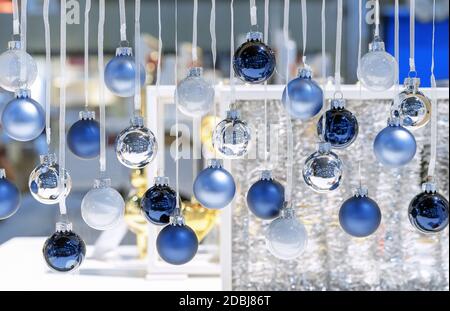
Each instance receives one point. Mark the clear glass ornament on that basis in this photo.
(17, 68)
(286, 237)
(232, 136)
(195, 95)
(378, 69)
(323, 169)
(44, 181)
(414, 108)
(102, 207)
(136, 146)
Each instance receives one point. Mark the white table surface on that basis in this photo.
(22, 267)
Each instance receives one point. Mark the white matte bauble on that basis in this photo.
(102, 207)
(286, 237)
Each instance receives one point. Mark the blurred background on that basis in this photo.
(34, 219)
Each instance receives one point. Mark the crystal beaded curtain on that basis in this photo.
(395, 258)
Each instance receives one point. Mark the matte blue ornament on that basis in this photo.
(177, 243)
(83, 137)
(120, 73)
(394, 146)
(341, 126)
(428, 211)
(214, 187)
(303, 97)
(265, 198)
(64, 251)
(360, 216)
(254, 61)
(159, 202)
(23, 119)
(9, 197)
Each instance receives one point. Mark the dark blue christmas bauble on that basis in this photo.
(9, 197)
(341, 126)
(360, 216)
(265, 198)
(177, 244)
(64, 251)
(428, 212)
(254, 61)
(83, 137)
(159, 202)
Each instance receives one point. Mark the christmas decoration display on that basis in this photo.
(159, 202)
(9, 197)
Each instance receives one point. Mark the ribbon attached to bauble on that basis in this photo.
(232, 82)
(412, 36)
(177, 155)
(266, 122)
(253, 13)
(160, 131)
(48, 72)
(86, 53)
(304, 29)
(123, 21)
(324, 67)
(101, 90)
(62, 110)
(337, 71)
(434, 105)
(137, 48)
(194, 34)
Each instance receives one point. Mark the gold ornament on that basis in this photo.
(199, 218)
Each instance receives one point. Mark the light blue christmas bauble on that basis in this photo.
(214, 187)
(303, 97)
(120, 73)
(265, 198)
(9, 197)
(394, 146)
(23, 119)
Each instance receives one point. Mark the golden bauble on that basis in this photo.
(199, 218)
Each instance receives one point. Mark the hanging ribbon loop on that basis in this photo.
(194, 34)
(137, 47)
(86, 53)
(337, 74)
(62, 110)
(123, 21)
(48, 72)
(101, 91)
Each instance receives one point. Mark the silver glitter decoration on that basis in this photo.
(396, 257)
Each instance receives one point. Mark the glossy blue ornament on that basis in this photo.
(360, 216)
(83, 137)
(177, 243)
(428, 211)
(303, 97)
(64, 251)
(159, 202)
(341, 126)
(394, 146)
(9, 197)
(254, 61)
(120, 73)
(214, 186)
(265, 198)
(23, 119)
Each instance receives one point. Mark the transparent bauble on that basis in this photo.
(323, 170)
(254, 61)
(17, 68)
(102, 207)
(414, 108)
(195, 95)
(9, 197)
(378, 69)
(65, 250)
(136, 145)
(45, 183)
(232, 136)
(23, 119)
(286, 237)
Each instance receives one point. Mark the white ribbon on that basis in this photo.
(16, 22)
(194, 33)
(101, 91)
(158, 84)
(232, 86)
(23, 22)
(86, 53)
(377, 18)
(304, 29)
(123, 21)
(337, 74)
(434, 105)
(62, 109)
(137, 58)
(177, 165)
(48, 71)
(266, 123)
(412, 36)
(324, 67)
(253, 13)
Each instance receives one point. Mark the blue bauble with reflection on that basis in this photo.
(159, 202)
(9, 197)
(177, 244)
(428, 211)
(341, 126)
(254, 61)
(64, 251)
(83, 137)
(265, 198)
(303, 97)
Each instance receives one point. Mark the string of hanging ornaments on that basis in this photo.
(214, 187)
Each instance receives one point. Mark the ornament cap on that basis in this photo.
(23, 93)
(63, 226)
(287, 211)
(266, 175)
(48, 159)
(87, 115)
(2, 173)
(161, 181)
(429, 187)
(337, 103)
(377, 45)
(15, 44)
(305, 72)
(254, 36)
(362, 191)
(393, 121)
(124, 51)
(137, 121)
(324, 147)
(412, 84)
(233, 114)
(195, 72)
(102, 183)
(177, 219)
(215, 163)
